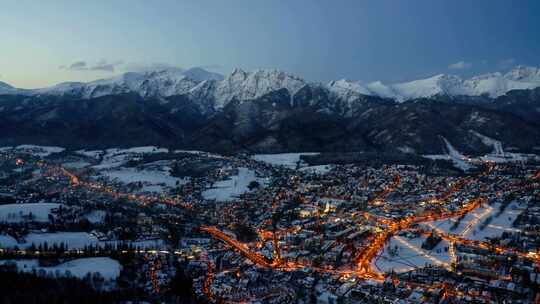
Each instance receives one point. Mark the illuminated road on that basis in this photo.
(244, 250)
(362, 262)
(98, 187)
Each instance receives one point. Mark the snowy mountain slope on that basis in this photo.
(349, 91)
(492, 84)
(524, 74)
(6, 89)
(200, 74)
(149, 84)
(242, 85)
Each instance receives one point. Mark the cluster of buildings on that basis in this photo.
(344, 234)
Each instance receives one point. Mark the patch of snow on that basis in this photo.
(108, 268)
(16, 213)
(72, 240)
(234, 186)
(96, 216)
(152, 179)
(114, 157)
(470, 226)
(7, 241)
(92, 154)
(509, 157)
(289, 160)
(497, 145)
(402, 254)
(41, 151)
(321, 169)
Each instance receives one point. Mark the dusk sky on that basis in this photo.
(47, 42)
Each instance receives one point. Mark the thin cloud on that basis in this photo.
(101, 65)
(105, 66)
(461, 65)
(76, 66)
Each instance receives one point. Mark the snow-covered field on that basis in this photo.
(232, 187)
(402, 254)
(112, 158)
(13, 213)
(72, 240)
(106, 267)
(91, 153)
(96, 216)
(289, 160)
(41, 151)
(153, 180)
(470, 225)
(7, 241)
(509, 157)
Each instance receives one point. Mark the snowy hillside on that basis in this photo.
(243, 85)
(492, 84)
(6, 89)
(149, 84)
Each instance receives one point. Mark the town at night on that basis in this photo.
(273, 228)
(270, 152)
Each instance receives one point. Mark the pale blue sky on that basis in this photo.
(388, 40)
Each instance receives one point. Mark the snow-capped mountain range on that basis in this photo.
(161, 83)
(492, 85)
(241, 85)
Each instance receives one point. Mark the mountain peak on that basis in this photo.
(524, 73)
(200, 74)
(238, 72)
(242, 85)
(4, 85)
